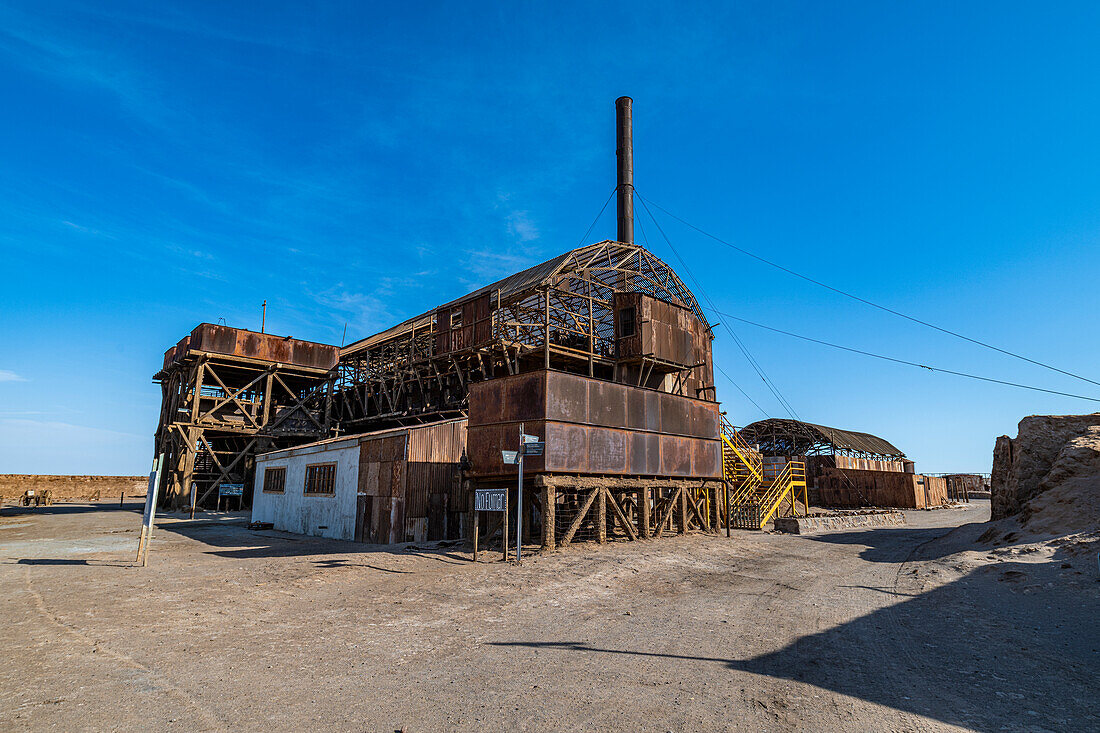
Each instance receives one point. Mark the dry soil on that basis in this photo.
(913, 628)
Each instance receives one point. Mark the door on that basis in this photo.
(362, 518)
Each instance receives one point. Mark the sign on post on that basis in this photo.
(489, 500)
(533, 449)
(511, 457)
(236, 490)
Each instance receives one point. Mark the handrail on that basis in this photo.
(792, 475)
(750, 458)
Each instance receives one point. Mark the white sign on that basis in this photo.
(510, 457)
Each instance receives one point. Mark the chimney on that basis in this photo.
(624, 154)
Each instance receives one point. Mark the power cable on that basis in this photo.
(596, 220)
(864, 300)
(641, 230)
(740, 345)
(899, 361)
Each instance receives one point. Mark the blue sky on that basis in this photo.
(166, 164)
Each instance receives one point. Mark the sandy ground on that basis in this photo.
(892, 629)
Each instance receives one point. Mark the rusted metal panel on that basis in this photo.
(524, 396)
(706, 459)
(486, 402)
(607, 451)
(483, 326)
(606, 403)
(566, 399)
(617, 430)
(569, 450)
(674, 415)
(220, 339)
(675, 456)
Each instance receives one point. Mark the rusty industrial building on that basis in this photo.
(601, 352)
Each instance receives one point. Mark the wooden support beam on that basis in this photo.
(669, 511)
(618, 512)
(683, 513)
(643, 512)
(549, 501)
(601, 516)
(581, 512)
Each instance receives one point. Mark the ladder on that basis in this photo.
(758, 491)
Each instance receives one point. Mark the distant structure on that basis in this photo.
(846, 468)
(228, 394)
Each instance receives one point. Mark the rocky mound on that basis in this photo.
(1048, 478)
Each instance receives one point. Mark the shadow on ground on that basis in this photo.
(992, 632)
(234, 540)
(14, 510)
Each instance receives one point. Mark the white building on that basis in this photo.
(401, 485)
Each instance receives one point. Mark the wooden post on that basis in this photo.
(504, 536)
(546, 345)
(549, 499)
(601, 516)
(477, 526)
(643, 512)
(683, 512)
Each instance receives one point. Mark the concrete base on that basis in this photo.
(845, 520)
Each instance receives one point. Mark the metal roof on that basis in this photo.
(591, 255)
(802, 438)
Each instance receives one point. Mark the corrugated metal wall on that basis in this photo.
(410, 487)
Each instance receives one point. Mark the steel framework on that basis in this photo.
(559, 314)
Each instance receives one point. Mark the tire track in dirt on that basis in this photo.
(156, 680)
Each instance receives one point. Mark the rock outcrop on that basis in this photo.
(1057, 455)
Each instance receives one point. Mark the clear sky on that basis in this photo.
(164, 164)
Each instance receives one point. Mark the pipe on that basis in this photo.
(624, 155)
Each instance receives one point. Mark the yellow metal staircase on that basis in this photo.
(758, 490)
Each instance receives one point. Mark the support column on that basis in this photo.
(683, 511)
(549, 499)
(643, 512)
(601, 516)
(190, 449)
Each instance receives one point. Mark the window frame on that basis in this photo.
(282, 483)
(623, 321)
(305, 480)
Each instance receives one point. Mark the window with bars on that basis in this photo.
(275, 480)
(320, 479)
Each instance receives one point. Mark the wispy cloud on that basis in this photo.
(7, 375)
(45, 50)
(521, 227)
(58, 428)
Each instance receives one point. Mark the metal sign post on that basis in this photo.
(519, 500)
(529, 445)
(150, 511)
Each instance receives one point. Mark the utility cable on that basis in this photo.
(597, 219)
(899, 361)
(740, 345)
(864, 300)
(641, 230)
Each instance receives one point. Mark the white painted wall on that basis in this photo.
(293, 511)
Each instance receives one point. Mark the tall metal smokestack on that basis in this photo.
(624, 154)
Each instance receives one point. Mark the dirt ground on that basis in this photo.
(896, 628)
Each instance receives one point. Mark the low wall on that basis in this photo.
(845, 520)
(84, 488)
